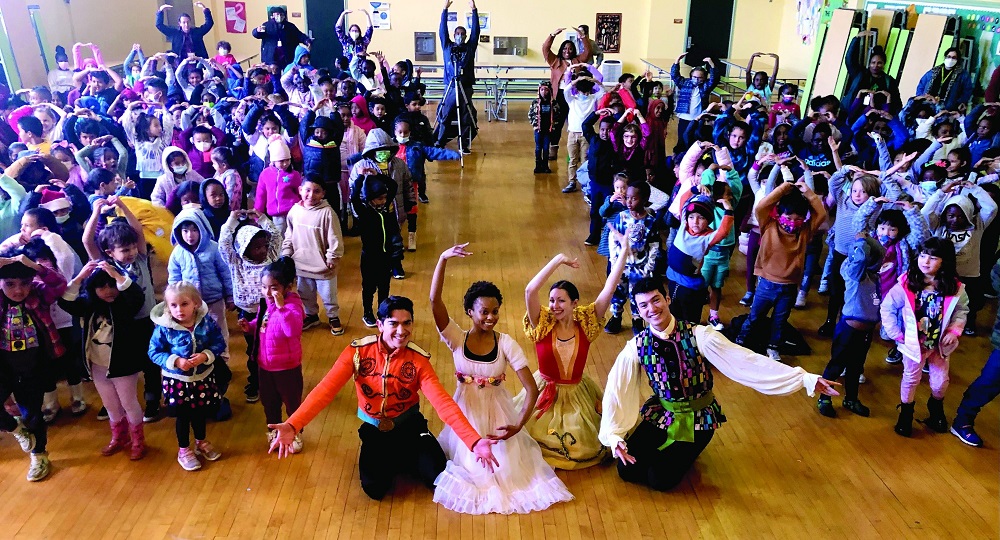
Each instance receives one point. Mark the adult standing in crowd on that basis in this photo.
(185, 40)
(459, 64)
(596, 51)
(568, 56)
(278, 38)
(948, 82)
(874, 78)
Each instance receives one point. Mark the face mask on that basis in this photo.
(355, 34)
(203, 146)
(928, 186)
(787, 99)
(62, 219)
(403, 140)
(382, 156)
(884, 239)
(179, 170)
(950, 63)
(459, 39)
(789, 225)
(223, 52)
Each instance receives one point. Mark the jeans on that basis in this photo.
(849, 351)
(769, 294)
(813, 251)
(28, 389)
(983, 390)
(542, 145)
(326, 289)
(375, 277)
(252, 382)
(560, 122)
(686, 303)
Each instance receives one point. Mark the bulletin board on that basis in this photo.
(979, 23)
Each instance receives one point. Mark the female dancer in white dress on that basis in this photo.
(523, 482)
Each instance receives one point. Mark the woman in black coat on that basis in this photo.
(185, 39)
(278, 38)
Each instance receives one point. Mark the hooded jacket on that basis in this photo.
(204, 265)
(967, 242)
(860, 270)
(285, 33)
(279, 341)
(364, 121)
(171, 342)
(416, 154)
(395, 168)
(300, 51)
(313, 240)
(216, 216)
(686, 255)
(233, 243)
(277, 191)
(899, 321)
(167, 182)
(322, 160)
(380, 236)
(129, 347)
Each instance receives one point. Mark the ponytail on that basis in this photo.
(282, 271)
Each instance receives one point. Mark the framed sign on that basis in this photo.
(609, 32)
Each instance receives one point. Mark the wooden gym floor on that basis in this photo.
(776, 469)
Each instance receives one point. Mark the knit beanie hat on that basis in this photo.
(701, 205)
(278, 150)
(53, 201)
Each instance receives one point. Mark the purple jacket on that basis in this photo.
(280, 341)
(277, 191)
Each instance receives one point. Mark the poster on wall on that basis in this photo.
(236, 17)
(452, 22)
(609, 32)
(380, 15)
(484, 21)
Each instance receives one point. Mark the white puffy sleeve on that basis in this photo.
(623, 398)
(751, 369)
(453, 336)
(512, 352)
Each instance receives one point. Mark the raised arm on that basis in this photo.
(438, 307)
(535, 285)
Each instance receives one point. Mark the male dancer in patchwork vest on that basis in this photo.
(677, 422)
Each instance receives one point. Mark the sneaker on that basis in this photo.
(969, 331)
(773, 354)
(824, 287)
(78, 407)
(296, 444)
(614, 324)
(40, 467)
(206, 450)
(336, 328)
(310, 321)
(800, 300)
(715, 323)
(894, 357)
(747, 299)
(591, 242)
(586, 199)
(926, 369)
(967, 435)
(466, 151)
(862, 379)
(423, 199)
(49, 415)
(188, 460)
(825, 406)
(398, 273)
(857, 407)
(253, 396)
(152, 412)
(24, 437)
(570, 188)
(411, 242)
(369, 320)
(102, 414)
(827, 329)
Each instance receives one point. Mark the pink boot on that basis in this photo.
(119, 438)
(138, 443)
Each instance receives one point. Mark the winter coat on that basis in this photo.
(313, 239)
(321, 160)
(967, 242)
(176, 37)
(46, 289)
(167, 182)
(380, 236)
(129, 347)
(899, 321)
(233, 243)
(397, 170)
(171, 342)
(279, 342)
(285, 33)
(204, 265)
(216, 216)
(417, 154)
(277, 191)
(602, 159)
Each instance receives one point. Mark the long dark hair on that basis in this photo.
(946, 280)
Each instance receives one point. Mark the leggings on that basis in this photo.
(753, 248)
(277, 388)
(411, 222)
(912, 370)
(190, 419)
(837, 287)
(118, 395)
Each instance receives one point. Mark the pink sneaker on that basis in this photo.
(206, 450)
(188, 460)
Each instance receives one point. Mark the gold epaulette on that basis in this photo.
(416, 348)
(367, 340)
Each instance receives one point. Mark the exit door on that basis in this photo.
(710, 26)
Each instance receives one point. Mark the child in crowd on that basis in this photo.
(601, 167)
(415, 154)
(276, 332)
(784, 234)
(222, 160)
(27, 291)
(149, 133)
(372, 200)
(108, 302)
(543, 114)
(984, 389)
(278, 185)
(178, 169)
(249, 242)
(314, 241)
(786, 110)
(215, 204)
(320, 138)
(925, 314)
(614, 204)
(186, 345)
(644, 242)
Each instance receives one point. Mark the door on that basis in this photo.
(710, 25)
(321, 15)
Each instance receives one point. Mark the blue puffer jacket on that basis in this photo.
(417, 155)
(204, 265)
(862, 297)
(685, 86)
(171, 341)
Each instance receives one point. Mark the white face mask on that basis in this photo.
(202, 146)
(355, 34)
(223, 52)
(62, 219)
(950, 63)
(403, 140)
(180, 170)
(459, 39)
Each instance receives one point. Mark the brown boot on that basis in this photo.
(138, 443)
(119, 438)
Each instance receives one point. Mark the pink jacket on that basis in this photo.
(277, 191)
(280, 340)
